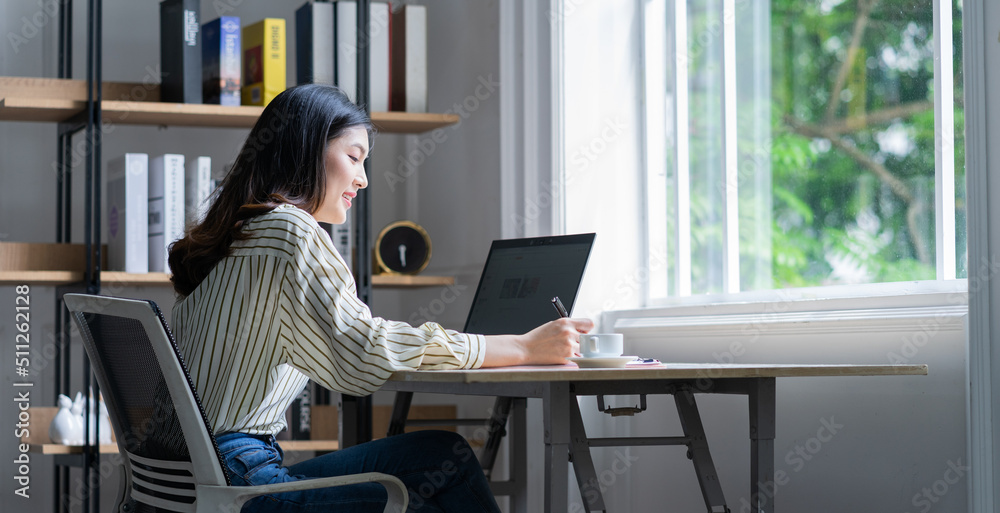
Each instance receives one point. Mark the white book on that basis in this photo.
(220, 174)
(343, 240)
(166, 208)
(378, 60)
(409, 59)
(128, 245)
(198, 189)
(379, 65)
(345, 37)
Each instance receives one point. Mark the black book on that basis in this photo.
(301, 411)
(180, 51)
(314, 43)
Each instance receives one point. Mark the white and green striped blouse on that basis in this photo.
(283, 308)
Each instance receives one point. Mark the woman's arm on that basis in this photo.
(550, 343)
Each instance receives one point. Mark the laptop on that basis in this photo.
(520, 278)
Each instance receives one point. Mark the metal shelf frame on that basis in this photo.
(356, 417)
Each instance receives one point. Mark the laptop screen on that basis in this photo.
(520, 278)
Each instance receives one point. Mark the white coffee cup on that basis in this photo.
(601, 345)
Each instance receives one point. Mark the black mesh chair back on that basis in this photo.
(171, 459)
(139, 400)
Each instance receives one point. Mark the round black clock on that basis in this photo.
(402, 247)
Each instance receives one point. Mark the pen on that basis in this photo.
(559, 307)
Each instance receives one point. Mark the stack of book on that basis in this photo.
(326, 46)
(150, 202)
(216, 63)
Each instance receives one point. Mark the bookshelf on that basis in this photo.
(286, 445)
(56, 278)
(24, 263)
(26, 99)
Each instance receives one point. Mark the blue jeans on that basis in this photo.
(439, 469)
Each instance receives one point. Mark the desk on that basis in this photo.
(558, 386)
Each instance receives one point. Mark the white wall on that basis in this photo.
(982, 21)
(896, 439)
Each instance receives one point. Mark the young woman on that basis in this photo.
(266, 303)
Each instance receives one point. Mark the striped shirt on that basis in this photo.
(283, 308)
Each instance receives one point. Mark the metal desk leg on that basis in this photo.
(497, 430)
(762, 420)
(701, 457)
(583, 461)
(556, 415)
(400, 410)
(355, 420)
(518, 444)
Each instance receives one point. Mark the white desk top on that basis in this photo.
(570, 372)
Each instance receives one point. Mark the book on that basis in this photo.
(314, 43)
(377, 44)
(220, 174)
(409, 59)
(220, 61)
(346, 45)
(128, 245)
(263, 61)
(379, 64)
(300, 415)
(180, 53)
(166, 208)
(342, 237)
(198, 188)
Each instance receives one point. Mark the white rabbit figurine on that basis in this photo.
(104, 422)
(78, 405)
(99, 421)
(66, 428)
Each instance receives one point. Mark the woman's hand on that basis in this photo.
(550, 343)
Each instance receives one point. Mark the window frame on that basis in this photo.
(944, 191)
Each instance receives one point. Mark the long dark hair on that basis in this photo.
(282, 161)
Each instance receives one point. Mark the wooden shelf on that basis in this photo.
(405, 280)
(51, 278)
(57, 100)
(191, 114)
(179, 114)
(134, 279)
(309, 445)
(68, 277)
(286, 445)
(411, 122)
(40, 277)
(46, 110)
(53, 449)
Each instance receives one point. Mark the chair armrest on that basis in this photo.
(218, 496)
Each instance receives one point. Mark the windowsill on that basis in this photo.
(855, 308)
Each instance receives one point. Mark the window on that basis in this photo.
(802, 143)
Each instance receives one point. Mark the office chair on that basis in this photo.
(169, 452)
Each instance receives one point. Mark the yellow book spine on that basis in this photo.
(263, 61)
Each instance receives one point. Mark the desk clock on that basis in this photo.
(402, 247)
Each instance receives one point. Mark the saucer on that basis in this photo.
(611, 361)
